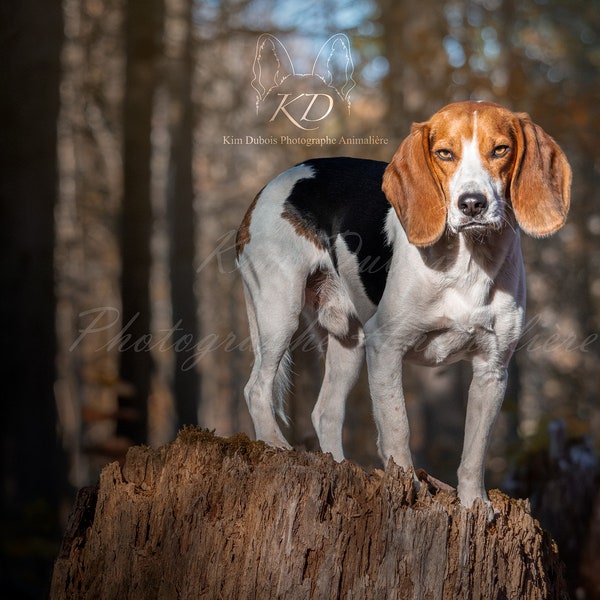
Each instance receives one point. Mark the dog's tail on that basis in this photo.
(282, 384)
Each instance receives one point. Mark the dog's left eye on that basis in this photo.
(500, 151)
(445, 154)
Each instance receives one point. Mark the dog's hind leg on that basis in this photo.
(273, 305)
(343, 362)
(344, 356)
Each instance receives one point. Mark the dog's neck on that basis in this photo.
(486, 250)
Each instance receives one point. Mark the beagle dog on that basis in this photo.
(416, 260)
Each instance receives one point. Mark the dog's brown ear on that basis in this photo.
(540, 189)
(412, 190)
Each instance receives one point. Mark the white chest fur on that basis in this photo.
(452, 310)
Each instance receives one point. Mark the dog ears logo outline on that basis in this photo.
(304, 99)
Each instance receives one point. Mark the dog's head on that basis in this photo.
(473, 165)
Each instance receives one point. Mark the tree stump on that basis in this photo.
(206, 517)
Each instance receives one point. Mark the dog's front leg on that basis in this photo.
(485, 399)
(384, 363)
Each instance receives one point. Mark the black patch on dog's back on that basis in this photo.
(344, 197)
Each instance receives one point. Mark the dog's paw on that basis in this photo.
(488, 507)
(276, 440)
(474, 500)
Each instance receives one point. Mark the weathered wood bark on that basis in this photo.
(206, 517)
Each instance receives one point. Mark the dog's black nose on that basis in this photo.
(472, 204)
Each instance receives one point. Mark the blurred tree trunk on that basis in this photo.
(31, 462)
(180, 206)
(143, 29)
(419, 74)
(211, 518)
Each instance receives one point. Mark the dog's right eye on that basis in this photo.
(444, 154)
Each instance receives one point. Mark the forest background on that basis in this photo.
(131, 149)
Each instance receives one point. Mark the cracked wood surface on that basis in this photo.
(206, 517)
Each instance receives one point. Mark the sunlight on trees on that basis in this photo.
(209, 153)
(406, 62)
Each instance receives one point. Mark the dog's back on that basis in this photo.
(313, 241)
(338, 212)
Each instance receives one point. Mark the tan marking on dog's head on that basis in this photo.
(530, 168)
(492, 128)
